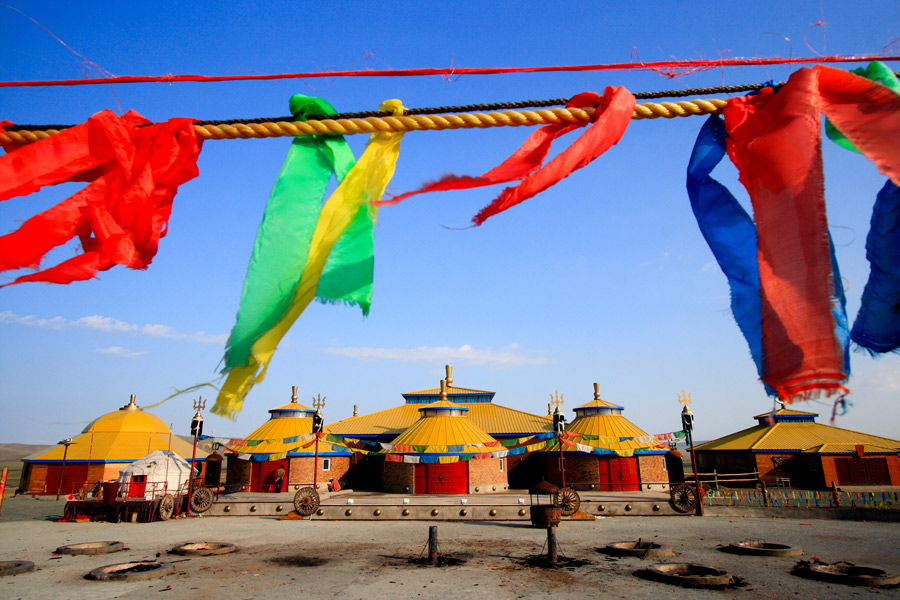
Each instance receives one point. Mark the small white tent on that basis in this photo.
(160, 472)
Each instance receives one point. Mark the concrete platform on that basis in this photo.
(371, 506)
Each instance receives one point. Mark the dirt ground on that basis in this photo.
(375, 560)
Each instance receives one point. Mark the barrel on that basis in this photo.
(545, 515)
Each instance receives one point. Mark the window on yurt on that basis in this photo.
(326, 464)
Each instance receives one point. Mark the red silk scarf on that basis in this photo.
(612, 115)
(775, 142)
(134, 168)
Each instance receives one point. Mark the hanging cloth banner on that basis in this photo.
(364, 183)
(774, 140)
(134, 168)
(877, 324)
(731, 235)
(282, 242)
(876, 71)
(612, 115)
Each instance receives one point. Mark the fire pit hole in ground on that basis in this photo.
(690, 575)
(91, 548)
(640, 549)
(846, 573)
(760, 548)
(203, 548)
(14, 567)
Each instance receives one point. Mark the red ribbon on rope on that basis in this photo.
(134, 168)
(612, 115)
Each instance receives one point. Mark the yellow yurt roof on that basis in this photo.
(497, 419)
(798, 436)
(444, 423)
(129, 418)
(124, 435)
(598, 403)
(493, 418)
(605, 424)
(286, 421)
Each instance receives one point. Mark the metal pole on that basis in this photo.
(690, 435)
(318, 427)
(196, 429)
(687, 423)
(187, 510)
(552, 546)
(316, 466)
(562, 465)
(432, 545)
(62, 469)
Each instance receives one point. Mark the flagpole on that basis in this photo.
(318, 425)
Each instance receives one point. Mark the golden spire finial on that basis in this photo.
(443, 389)
(684, 397)
(596, 391)
(131, 405)
(449, 370)
(293, 394)
(556, 401)
(354, 410)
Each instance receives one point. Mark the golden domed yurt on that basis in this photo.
(103, 448)
(254, 465)
(498, 421)
(444, 453)
(622, 458)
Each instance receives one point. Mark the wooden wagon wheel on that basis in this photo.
(306, 501)
(201, 500)
(166, 507)
(568, 500)
(684, 498)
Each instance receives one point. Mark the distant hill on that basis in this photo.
(15, 452)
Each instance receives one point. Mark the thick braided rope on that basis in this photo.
(506, 118)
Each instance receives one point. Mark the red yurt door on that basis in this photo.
(262, 476)
(137, 486)
(446, 478)
(73, 477)
(619, 474)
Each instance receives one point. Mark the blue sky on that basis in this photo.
(604, 277)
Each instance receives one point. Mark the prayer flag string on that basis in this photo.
(792, 294)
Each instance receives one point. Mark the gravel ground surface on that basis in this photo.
(376, 560)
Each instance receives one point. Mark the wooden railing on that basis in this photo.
(715, 478)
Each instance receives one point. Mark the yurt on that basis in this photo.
(104, 446)
(498, 421)
(253, 465)
(623, 459)
(160, 472)
(788, 448)
(443, 453)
